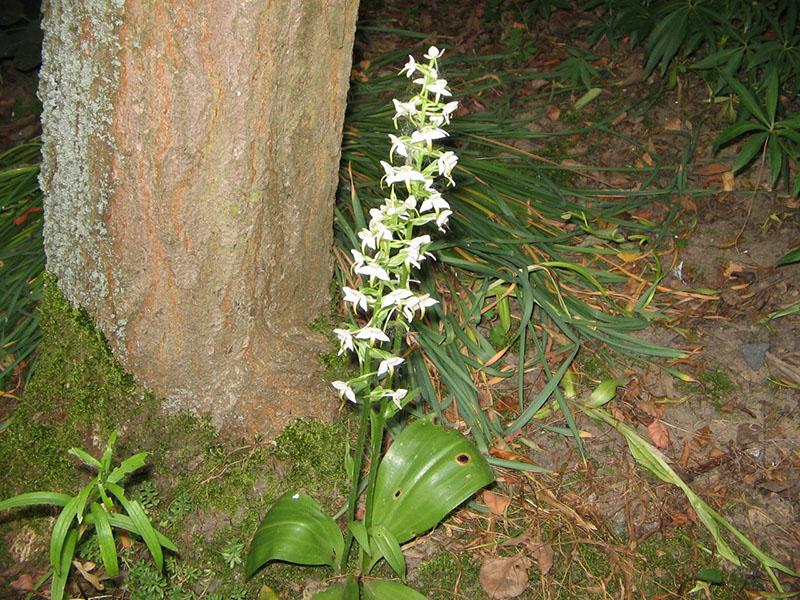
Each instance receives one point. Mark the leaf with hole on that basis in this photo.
(426, 473)
(295, 530)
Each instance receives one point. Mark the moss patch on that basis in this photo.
(202, 490)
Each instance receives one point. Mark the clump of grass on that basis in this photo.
(21, 258)
(547, 250)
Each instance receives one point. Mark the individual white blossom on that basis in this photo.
(438, 87)
(444, 118)
(396, 396)
(356, 298)
(442, 218)
(428, 134)
(418, 304)
(377, 231)
(345, 391)
(345, 340)
(373, 271)
(413, 254)
(404, 173)
(372, 334)
(396, 297)
(433, 52)
(388, 365)
(399, 146)
(445, 163)
(434, 202)
(405, 109)
(409, 67)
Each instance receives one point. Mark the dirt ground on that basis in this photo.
(600, 527)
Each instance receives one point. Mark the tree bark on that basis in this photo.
(190, 164)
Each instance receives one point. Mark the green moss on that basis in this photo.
(714, 385)
(336, 366)
(201, 489)
(673, 563)
(71, 397)
(313, 454)
(444, 572)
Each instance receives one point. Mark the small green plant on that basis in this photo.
(768, 135)
(428, 471)
(94, 509)
(232, 553)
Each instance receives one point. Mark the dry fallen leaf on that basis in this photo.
(495, 502)
(23, 583)
(658, 434)
(711, 169)
(504, 577)
(675, 124)
(553, 112)
(84, 569)
(543, 554)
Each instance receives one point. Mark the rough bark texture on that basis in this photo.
(190, 164)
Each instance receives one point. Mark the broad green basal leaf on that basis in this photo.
(295, 530)
(348, 590)
(378, 589)
(427, 472)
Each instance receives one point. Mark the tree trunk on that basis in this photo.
(190, 163)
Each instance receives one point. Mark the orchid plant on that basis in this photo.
(427, 471)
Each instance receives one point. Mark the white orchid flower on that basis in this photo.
(358, 258)
(438, 87)
(345, 391)
(405, 109)
(396, 297)
(418, 304)
(409, 67)
(397, 396)
(345, 340)
(388, 365)
(428, 134)
(445, 163)
(442, 218)
(356, 298)
(433, 52)
(448, 110)
(373, 271)
(399, 146)
(404, 173)
(434, 202)
(413, 254)
(372, 334)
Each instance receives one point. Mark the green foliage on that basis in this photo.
(94, 508)
(313, 451)
(578, 68)
(426, 473)
(767, 135)
(748, 49)
(21, 257)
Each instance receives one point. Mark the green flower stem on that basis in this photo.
(352, 498)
